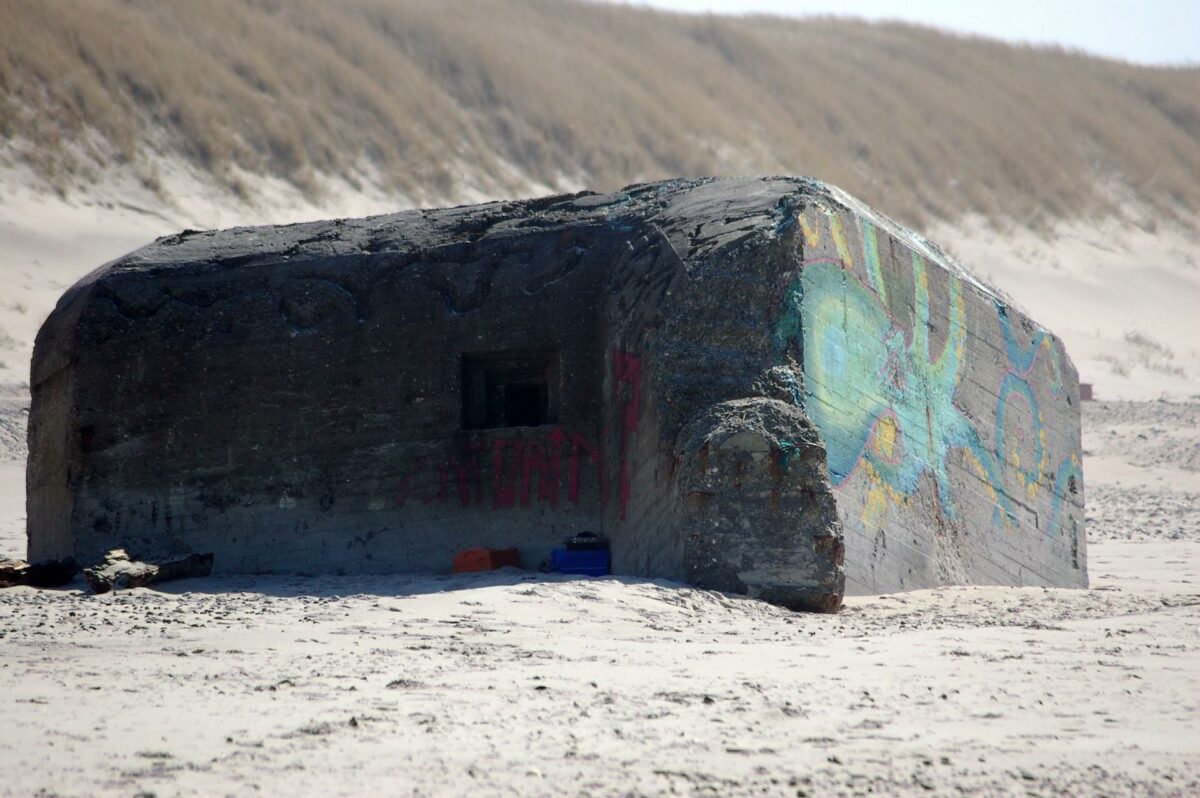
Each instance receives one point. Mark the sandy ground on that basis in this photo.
(526, 685)
(520, 684)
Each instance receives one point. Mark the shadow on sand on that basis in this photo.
(337, 586)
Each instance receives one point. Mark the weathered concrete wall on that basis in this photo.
(304, 413)
(752, 509)
(721, 375)
(951, 421)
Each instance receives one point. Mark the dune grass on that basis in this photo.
(921, 123)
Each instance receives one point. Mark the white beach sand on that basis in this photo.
(522, 684)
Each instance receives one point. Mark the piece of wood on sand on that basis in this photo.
(119, 571)
(47, 573)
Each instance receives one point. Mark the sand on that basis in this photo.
(1123, 296)
(523, 684)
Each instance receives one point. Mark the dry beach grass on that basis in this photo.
(417, 94)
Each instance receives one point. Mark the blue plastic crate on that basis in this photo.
(587, 562)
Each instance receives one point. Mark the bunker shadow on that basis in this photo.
(388, 585)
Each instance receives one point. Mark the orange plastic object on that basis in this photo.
(483, 559)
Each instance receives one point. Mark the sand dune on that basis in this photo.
(436, 99)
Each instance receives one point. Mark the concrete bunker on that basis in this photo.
(755, 385)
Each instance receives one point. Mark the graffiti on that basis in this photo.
(1022, 359)
(503, 472)
(516, 465)
(885, 399)
(884, 402)
(1067, 473)
(1010, 442)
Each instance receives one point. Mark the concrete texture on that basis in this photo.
(951, 421)
(739, 382)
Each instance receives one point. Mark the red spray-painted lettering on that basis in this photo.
(517, 463)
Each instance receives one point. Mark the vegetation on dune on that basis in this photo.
(917, 122)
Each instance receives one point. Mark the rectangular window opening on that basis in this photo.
(509, 389)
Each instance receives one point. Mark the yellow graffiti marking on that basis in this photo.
(812, 233)
(839, 238)
(985, 478)
(885, 437)
(880, 496)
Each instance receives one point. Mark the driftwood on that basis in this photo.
(120, 571)
(48, 573)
